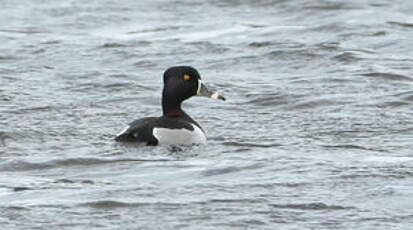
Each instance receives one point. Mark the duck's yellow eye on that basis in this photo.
(187, 77)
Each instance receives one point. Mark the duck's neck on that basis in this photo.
(171, 106)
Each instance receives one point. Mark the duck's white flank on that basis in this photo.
(167, 136)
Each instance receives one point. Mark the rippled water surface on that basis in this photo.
(317, 131)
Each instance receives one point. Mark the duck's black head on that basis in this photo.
(181, 83)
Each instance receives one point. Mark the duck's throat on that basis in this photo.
(171, 106)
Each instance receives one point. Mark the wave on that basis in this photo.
(352, 146)
(310, 206)
(388, 76)
(316, 103)
(256, 145)
(22, 165)
(401, 24)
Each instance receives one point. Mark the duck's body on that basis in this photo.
(175, 127)
(164, 131)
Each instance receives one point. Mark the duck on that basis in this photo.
(175, 126)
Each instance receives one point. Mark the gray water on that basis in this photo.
(316, 132)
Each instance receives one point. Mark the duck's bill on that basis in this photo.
(203, 91)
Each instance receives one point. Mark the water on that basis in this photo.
(316, 132)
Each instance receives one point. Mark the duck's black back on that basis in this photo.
(139, 131)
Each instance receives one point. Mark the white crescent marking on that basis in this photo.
(123, 130)
(215, 95)
(199, 87)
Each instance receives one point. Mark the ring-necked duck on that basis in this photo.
(174, 127)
